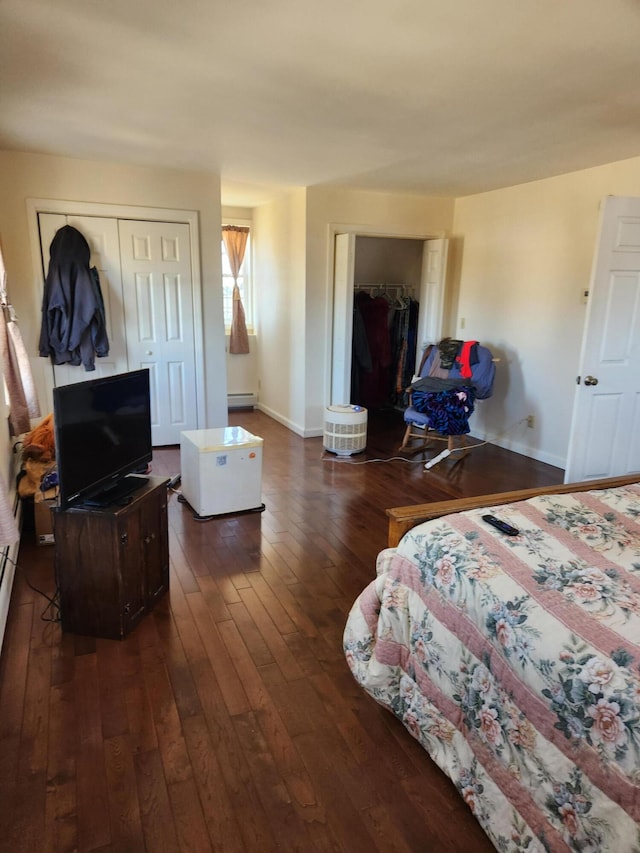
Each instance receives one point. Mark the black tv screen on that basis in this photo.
(102, 433)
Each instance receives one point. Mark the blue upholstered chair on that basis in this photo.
(425, 428)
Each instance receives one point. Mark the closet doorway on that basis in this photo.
(396, 285)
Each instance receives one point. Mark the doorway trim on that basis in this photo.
(149, 214)
(358, 230)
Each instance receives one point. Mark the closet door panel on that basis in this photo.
(102, 236)
(104, 242)
(159, 311)
(432, 292)
(343, 282)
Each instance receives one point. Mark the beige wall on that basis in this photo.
(242, 369)
(24, 176)
(382, 260)
(525, 260)
(279, 277)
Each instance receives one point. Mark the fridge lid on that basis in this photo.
(225, 438)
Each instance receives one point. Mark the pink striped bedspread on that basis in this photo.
(515, 662)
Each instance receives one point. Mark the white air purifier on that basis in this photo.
(345, 429)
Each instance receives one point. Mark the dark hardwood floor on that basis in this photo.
(228, 720)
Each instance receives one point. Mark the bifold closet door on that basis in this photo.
(432, 295)
(102, 236)
(343, 282)
(159, 322)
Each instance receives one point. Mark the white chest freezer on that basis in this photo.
(221, 470)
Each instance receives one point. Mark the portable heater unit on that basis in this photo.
(345, 429)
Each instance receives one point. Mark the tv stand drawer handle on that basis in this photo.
(149, 538)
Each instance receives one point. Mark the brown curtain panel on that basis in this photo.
(235, 240)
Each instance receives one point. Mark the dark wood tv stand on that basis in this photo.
(112, 563)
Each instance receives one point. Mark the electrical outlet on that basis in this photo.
(531, 421)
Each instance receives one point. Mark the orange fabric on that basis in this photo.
(40, 442)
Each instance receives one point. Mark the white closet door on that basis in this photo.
(159, 320)
(102, 236)
(343, 283)
(432, 291)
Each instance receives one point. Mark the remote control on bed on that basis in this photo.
(501, 525)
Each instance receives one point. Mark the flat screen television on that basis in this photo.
(102, 434)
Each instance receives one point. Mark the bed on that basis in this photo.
(515, 660)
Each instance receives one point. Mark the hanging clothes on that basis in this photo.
(360, 354)
(403, 330)
(73, 329)
(374, 383)
(385, 329)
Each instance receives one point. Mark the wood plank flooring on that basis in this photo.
(228, 720)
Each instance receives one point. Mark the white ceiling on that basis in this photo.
(448, 98)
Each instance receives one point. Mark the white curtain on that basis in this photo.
(14, 361)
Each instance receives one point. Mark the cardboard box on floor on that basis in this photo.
(43, 521)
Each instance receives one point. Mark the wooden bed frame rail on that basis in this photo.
(403, 518)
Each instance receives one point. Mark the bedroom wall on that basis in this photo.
(279, 276)
(379, 260)
(25, 176)
(380, 214)
(525, 257)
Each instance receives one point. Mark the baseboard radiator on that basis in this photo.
(242, 401)
(9, 553)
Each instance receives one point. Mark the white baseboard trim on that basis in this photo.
(281, 420)
(523, 449)
(313, 432)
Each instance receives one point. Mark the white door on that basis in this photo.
(343, 283)
(605, 428)
(432, 286)
(102, 236)
(159, 320)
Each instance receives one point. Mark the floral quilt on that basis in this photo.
(515, 662)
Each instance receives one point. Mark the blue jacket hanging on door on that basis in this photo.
(73, 329)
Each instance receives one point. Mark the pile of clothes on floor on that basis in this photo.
(38, 476)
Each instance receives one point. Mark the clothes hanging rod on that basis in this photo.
(384, 287)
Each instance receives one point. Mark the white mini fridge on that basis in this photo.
(221, 470)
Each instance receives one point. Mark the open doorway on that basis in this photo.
(388, 298)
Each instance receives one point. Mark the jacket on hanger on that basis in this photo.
(73, 329)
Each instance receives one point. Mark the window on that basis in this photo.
(244, 282)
